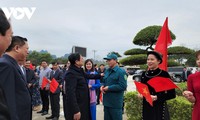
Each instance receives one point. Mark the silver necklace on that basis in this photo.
(152, 76)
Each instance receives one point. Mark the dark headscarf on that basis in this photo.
(156, 54)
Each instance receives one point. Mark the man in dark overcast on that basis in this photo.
(5, 40)
(13, 81)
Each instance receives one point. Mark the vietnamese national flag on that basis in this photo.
(101, 97)
(162, 84)
(31, 66)
(44, 82)
(164, 40)
(143, 90)
(53, 85)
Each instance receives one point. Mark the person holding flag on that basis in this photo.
(56, 75)
(44, 88)
(158, 110)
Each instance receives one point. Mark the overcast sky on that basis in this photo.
(103, 25)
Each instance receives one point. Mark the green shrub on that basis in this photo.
(133, 106)
(182, 86)
(134, 60)
(172, 63)
(143, 67)
(179, 50)
(179, 108)
(135, 51)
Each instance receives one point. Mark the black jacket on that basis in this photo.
(14, 85)
(159, 111)
(30, 76)
(4, 113)
(185, 74)
(77, 93)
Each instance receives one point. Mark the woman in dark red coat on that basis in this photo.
(193, 92)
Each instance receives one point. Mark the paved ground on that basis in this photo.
(131, 87)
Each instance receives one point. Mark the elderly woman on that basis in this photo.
(159, 109)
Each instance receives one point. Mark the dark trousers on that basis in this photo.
(45, 99)
(112, 113)
(98, 92)
(55, 104)
(64, 104)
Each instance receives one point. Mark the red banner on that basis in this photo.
(164, 40)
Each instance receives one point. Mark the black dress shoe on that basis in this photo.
(41, 111)
(50, 117)
(44, 113)
(55, 118)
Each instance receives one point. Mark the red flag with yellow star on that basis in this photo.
(53, 85)
(44, 82)
(162, 84)
(143, 90)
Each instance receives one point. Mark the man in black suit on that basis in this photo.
(12, 80)
(186, 72)
(62, 86)
(5, 40)
(30, 78)
(57, 74)
(30, 75)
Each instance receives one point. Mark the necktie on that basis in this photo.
(22, 70)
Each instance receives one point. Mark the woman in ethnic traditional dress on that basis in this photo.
(159, 110)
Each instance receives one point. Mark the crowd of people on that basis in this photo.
(22, 90)
(81, 84)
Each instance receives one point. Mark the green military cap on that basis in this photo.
(111, 56)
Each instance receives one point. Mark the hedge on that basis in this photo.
(179, 108)
(134, 60)
(179, 50)
(182, 86)
(133, 106)
(135, 51)
(172, 63)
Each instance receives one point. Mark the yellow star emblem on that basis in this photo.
(145, 91)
